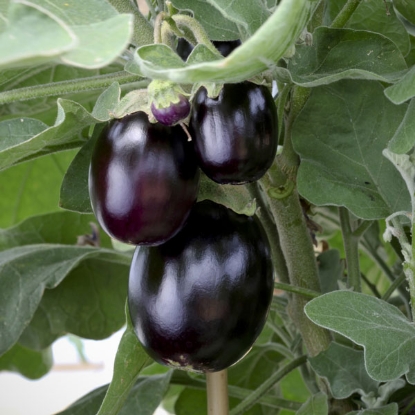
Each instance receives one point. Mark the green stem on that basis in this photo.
(188, 23)
(345, 13)
(297, 290)
(267, 221)
(393, 287)
(181, 378)
(279, 331)
(143, 31)
(254, 397)
(351, 248)
(362, 228)
(70, 86)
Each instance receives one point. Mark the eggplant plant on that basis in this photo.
(231, 184)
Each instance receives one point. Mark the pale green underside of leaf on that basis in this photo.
(344, 53)
(345, 371)
(404, 137)
(391, 409)
(340, 136)
(404, 89)
(385, 333)
(315, 405)
(86, 34)
(258, 53)
(215, 24)
(26, 271)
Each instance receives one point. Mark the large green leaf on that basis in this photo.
(344, 53)
(391, 409)
(404, 89)
(29, 363)
(26, 271)
(27, 23)
(87, 34)
(65, 134)
(58, 227)
(344, 368)
(215, 24)
(258, 53)
(404, 137)
(249, 15)
(372, 16)
(32, 188)
(143, 399)
(340, 136)
(385, 333)
(315, 405)
(89, 303)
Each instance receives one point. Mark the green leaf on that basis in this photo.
(345, 166)
(143, 399)
(29, 363)
(215, 24)
(129, 361)
(315, 405)
(16, 131)
(249, 15)
(344, 368)
(88, 303)
(404, 137)
(391, 409)
(330, 269)
(404, 89)
(258, 53)
(32, 188)
(74, 193)
(26, 23)
(406, 8)
(344, 53)
(57, 227)
(65, 134)
(106, 102)
(383, 331)
(234, 197)
(101, 42)
(372, 16)
(101, 33)
(26, 271)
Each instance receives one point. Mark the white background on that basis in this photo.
(69, 379)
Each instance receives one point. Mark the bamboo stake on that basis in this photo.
(217, 392)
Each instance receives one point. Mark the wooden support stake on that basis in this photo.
(217, 393)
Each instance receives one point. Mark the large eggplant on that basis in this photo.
(143, 180)
(199, 301)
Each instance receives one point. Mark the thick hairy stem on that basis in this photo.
(267, 221)
(71, 86)
(143, 31)
(345, 13)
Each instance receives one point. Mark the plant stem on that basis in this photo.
(253, 398)
(72, 86)
(143, 31)
(351, 248)
(393, 287)
(296, 290)
(267, 221)
(217, 392)
(345, 13)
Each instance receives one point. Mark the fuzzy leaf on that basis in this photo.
(388, 338)
(344, 368)
(345, 166)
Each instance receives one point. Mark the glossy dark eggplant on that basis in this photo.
(236, 134)
(199, 301)
(143, 180)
